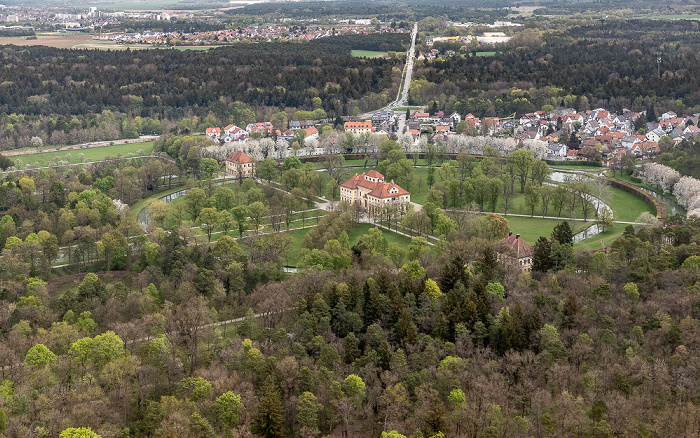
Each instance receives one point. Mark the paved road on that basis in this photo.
(402, 97)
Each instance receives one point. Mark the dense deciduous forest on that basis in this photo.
(395, 42)
(166, 83)
(594, 66)
(685, 158)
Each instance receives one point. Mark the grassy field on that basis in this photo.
(608, 237)
(485, 53)
(368, 54)
(42, 159)
(531, 228)
(627, 207)
(570, 166)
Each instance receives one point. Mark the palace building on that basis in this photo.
(372, 193)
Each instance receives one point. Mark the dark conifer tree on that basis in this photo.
(540, 257)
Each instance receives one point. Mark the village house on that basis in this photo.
(214, 133)
(240, 165)
(262, 128)
(523, 251)
(358, 127)
(300, 124)
(556, 151)
(372, 193)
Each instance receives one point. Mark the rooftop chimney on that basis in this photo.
(510, 233)
(517, 236)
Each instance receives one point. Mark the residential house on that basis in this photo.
(300, 124)
(523, 251)
(628, 141)
(693, 130)
(358, 127)
(214, 133)
(311, 132)
(240, 165)
(456, 118)
(372, 193)
(234, 133)
(556, 151)
(655, 135)
(471, 121)
(262, 128)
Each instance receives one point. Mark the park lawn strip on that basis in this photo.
(626, 206)
(531, 228)
(608, 237)
(41, 159)
(136, 208)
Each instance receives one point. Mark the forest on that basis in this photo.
(168, 83)
(384, 10)
(106, 321)
(67, 96)
(603, 64)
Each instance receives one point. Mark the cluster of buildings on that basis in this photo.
(251, 33)
(70, 19)
(601, 130)
(597, 130)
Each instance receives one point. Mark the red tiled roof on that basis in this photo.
(239, 157)
(358, 125)
(384, 190)
(311, 130)
(522, 248)
(379, 189)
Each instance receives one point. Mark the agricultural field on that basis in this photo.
(75, 156)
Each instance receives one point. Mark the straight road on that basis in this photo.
(402, 96)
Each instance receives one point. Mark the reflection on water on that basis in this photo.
(591, 231)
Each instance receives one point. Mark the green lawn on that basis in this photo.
(608, 237)
(42, 159)
(531, 228)
(140, 205)
(627, 207)
(485, 53)
(572, 166)
(368, 54)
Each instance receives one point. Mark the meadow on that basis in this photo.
(368, 54)
(75, 156)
